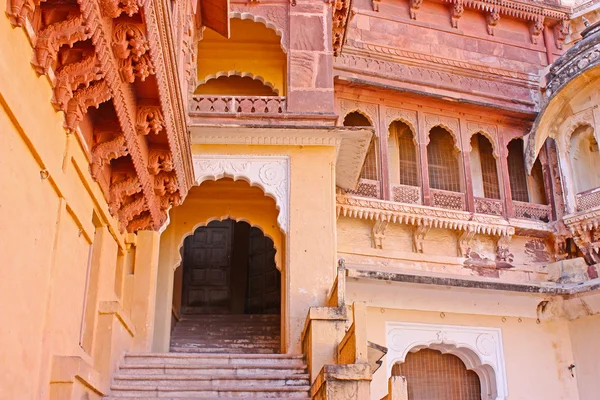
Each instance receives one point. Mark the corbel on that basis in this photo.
(419, 234)
(414, 8)
(493, 17)
(537, 27)
(464, 242)
(375, 4)
(458, 8)
(561, 31)
(502, 250)
(378, 233)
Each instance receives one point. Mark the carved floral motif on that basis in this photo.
(104, 152)
(92, 96)
(114, 8)
(340, 17)
(126, 186)
(75, 75)
(160, 160)
(149, 120)
(131, 47)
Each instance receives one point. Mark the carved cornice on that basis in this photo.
(340, 16)
(583, 221)
(417, 215)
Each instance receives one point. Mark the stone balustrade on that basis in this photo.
(448, 200)
(263, 105)
(488, 206)
(539, 212)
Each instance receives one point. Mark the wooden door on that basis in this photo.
(264, 279)
(207, 269)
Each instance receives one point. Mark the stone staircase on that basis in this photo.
(175, 376)
(243, 333)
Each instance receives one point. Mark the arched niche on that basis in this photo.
(443, 158)
(403, 154)
(254, 49)
(479, 348)
(484, 167)
(370, 168)
(584, 157)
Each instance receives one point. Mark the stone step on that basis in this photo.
(226, 341)
(224, 350)
(176, 381)
(196, 391)
(212, 370)
(240, 359)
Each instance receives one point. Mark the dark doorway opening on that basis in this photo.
(229, 291)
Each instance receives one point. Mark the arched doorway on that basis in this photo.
(227, 291)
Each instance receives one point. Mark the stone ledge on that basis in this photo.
(114, 307)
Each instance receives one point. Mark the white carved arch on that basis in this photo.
(584, 118)
(243, 15)
(242, 74)
(269, 173)
(479, 348)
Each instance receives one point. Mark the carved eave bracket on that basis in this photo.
(585, 228)
(97, 50)
(423, 219)
(341, 16)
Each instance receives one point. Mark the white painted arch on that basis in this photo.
(479, 348)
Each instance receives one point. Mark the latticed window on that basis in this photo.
(431, 375)
(516, 171)
(442, 156)
(487, 163)
(369, 169)
(407, 154)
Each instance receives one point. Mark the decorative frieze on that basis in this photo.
(588, 200)
(447, 199)
(406, 194)
(131, 48)
(488, 206)
(340, 17)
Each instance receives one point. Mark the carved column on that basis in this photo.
(547, 178)
(466, 157)
(509, 207)
(384, 169)
(423, 163)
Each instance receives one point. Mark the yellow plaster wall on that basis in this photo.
(51, 218)
(586, 355)
(536, 355)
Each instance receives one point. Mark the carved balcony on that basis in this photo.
(214, 104)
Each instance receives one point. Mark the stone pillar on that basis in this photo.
(423, 139)
(547, 176)
(144, 291)
(310, 69)
(465, 143)
(509, 208)
(384, 156)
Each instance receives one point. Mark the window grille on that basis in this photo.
(516, 171)
(489, 171)
(369, 169)
(407, 155)
(442, 156)
(433, 375)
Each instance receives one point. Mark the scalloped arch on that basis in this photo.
(447, 129)
(359, 111)
(201, 224)
(243, 15)
(241, 74)
(573, 126)
(406, 122)
(489, 137)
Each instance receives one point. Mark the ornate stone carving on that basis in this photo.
(123, 185)
(160, 160)
(419, 233)
(487, 130)
(149, 120)
(488, 206)
(114, 8)
(464, 243)
(141, 222)
(92, 96)
(447, 199)
(19, 11)
(492, 18)
(103, 153)
(448, 123)
(537, 27)
(270, 173)
(165, 183)
(378, 233)
(409, 117)
(457, 11)
(273, 16)
(128, 211)
(269, 105)
(367, 188)
(75, 75)
(170, 200)
(540, 212)
(479, 348)
(131, 48)
(406, 194)
(50, 39)
(370, 110)
(561, 31)
(414, 8)
(340, 16)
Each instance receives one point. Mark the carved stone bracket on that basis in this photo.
(464, 243)
(73, 76)
(502, 250)
(114, 8)
(492, 18)
(414, 8)
(104, 152)
(131, 48)
(270, 173)
(378, 233)
(457, 11)
(561, 31)
(149, 119)
(340, 16)
(537, 27)
(419, 233)
(91, 96)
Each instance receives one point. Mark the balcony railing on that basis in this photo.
(488, 206)
(367, 188)
(588, 200)
(263, 105)
(406, 194)
(447, 199)
(539, 212)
